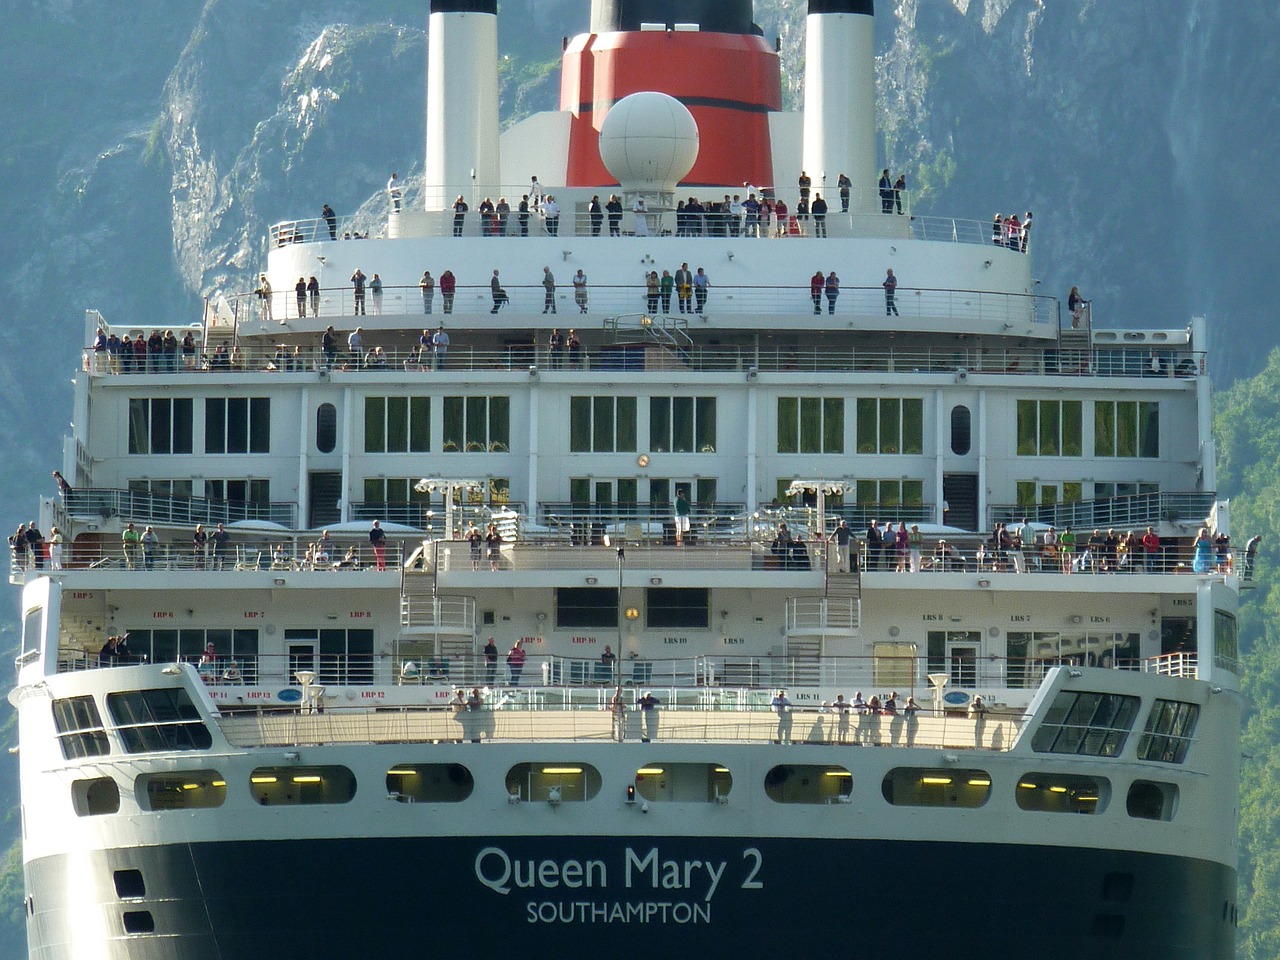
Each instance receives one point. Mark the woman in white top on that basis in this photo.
(55, 548)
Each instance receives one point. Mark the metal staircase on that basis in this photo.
(671, 334)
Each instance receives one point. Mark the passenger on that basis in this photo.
(890, 706)
(515, 662)
(232, 674)
(782, 707)
(648, 705)
(842, 708)
(1067, 549)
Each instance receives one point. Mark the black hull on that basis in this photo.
(351, 898)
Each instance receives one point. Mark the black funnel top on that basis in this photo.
(714, 16)
(464, 6)
(843, 6)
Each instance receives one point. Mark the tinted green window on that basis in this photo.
(579, 424)
(660, 424)
(788, 425)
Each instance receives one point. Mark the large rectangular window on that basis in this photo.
(890, 425)
(1171, 725)
(160, 720)
(870, 494)
(1087, 724)
(477, 424)
(397, 424)
(1126, 428)
(602, 424)
(393, 490)
(677, 607)
(346, 656)
(80, 731)
(682, 424)
(256, 490)
(586, 607)
(160, 425)
(237, 425)
(1049, 428)
(1032, 493)
(170, 646)
(811, 425)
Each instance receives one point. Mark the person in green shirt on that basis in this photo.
(1066, 547)
(681, 517)
(129, 540)
(665, 287)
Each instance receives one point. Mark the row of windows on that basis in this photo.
(231, 425)
(1055, 428)
(1098, 725)
(147, 721)
(608, 424)
(572, 782)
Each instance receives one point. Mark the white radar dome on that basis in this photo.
(649, 142)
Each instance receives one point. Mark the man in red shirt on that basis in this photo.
(1151, 551)
(816, 283)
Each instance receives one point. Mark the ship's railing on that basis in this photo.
(99, 503)
(649, 549)
(247, 552)
(529, 297)
(381, 353)
(870, 213)
(1130, 511)
(542, 720)
(429, 515)
(418, 662)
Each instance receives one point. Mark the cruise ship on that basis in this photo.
(598, 543)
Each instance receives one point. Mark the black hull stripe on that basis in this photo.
(354, 897)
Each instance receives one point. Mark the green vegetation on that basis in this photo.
(1248, 432)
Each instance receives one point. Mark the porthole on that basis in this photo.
(961, 430)
(684, 782)
(292, 785)
(326, 427)
(553, 781)
(429, 783)
(95, 798)
(927, 787)
(805, 783)
(181, 791)
(1148, 800)
(1062, 793)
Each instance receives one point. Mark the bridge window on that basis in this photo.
(429, 783)
(80, 730)
(1169, 730)
(158, 720)
(926, 787)
(1087, 724)
(181, 791)
(294, 785)
(1062, 793)
(568, 782)
(808, 783)
(1226, 642)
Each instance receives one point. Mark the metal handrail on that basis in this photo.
(292, 356)
(472, 299)
(1131, 510)
(97, 503)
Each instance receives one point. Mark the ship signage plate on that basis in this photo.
(289, 695)
(638, 884)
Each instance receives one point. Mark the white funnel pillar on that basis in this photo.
(840, 98)
(462, 102)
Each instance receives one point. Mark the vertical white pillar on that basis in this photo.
(840, 100)
(462, 102)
